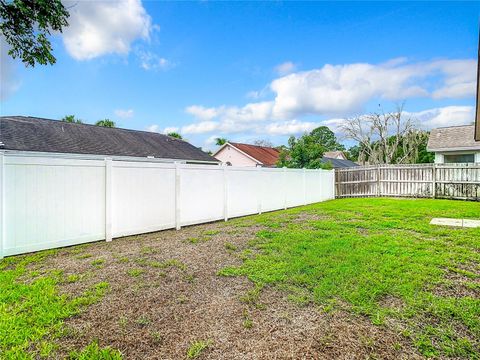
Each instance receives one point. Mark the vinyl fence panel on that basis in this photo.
(201, 194)
(273, 189)
(143, 197)
(243, 191)
(48, 202)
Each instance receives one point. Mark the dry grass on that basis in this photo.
(178, 299)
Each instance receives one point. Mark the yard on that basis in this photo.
(350, 278)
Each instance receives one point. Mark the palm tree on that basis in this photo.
(71, 119)
(106, 123)
(220, 141)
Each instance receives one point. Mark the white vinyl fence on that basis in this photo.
(53, 202)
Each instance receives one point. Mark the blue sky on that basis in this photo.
(252, 70)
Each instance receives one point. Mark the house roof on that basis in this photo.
(339, 163)
(25, 133)
(334, 154)
(267, 156)
(453, 138)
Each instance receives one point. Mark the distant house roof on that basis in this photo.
(335, 155)
(339, 163)
(453, 138)
(267, 156)
(24, 133)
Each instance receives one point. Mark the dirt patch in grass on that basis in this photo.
(176, 299)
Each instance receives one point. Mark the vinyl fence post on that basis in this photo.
(378, 181)
(285, 188)
(260, 190)
(108, 199)
(177, 196)
(225, 193)
(2, 201)
(304, 187)
(434, 180)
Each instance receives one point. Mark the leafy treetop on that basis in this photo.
(307, 151)
(105, 123)
(220, 141)
(26, 25)
(71, 119)
(175, 135)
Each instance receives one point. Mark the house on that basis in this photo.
(237, 154)
(32, 135)
(338, 163)
(455, 144)
(335, 155)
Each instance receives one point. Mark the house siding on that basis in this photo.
(231, 155)
(440, 156)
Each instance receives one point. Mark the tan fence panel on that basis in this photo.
(451, 181)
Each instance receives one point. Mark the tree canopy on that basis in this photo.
(105, 123)
(26, 25)
(307, 151)
(175, 135)
(71, 119)
(220, 141)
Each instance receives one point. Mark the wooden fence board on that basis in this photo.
(451, 181)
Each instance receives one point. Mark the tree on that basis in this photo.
(384, 138)
(26, 25)
(220, 141)
(263, 142)
(71, 119)
(175, 135)
(307, 151)
(323, 135)
(105, 123)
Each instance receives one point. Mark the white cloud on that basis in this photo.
(285, 68)
(444, 116)
(170, 129)
(201, 112)
(345, 89)
(200, 127)
(157, 129)
(153, 128)
(151, 61)
(124, 114)
(98, 28)
(9, 82)
(291, 127)
(211, 140)
(341, 91)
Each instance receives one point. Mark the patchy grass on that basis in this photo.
(31, 309)
(94, 352)
(363, 278)
(135, 272)
(399, 256)
(197, 347)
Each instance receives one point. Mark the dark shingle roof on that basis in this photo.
(339, 163)
(44, 135)
(453, 138)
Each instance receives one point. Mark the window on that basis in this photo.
(459, 158)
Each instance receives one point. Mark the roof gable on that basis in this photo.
(44, 135)
(267, 156)
(453, 138)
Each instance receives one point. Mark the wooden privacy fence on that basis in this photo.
(451, 181)
(48, 202)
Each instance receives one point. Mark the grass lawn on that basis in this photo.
(350, 278)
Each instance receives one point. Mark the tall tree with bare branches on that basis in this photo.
(385, 137)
